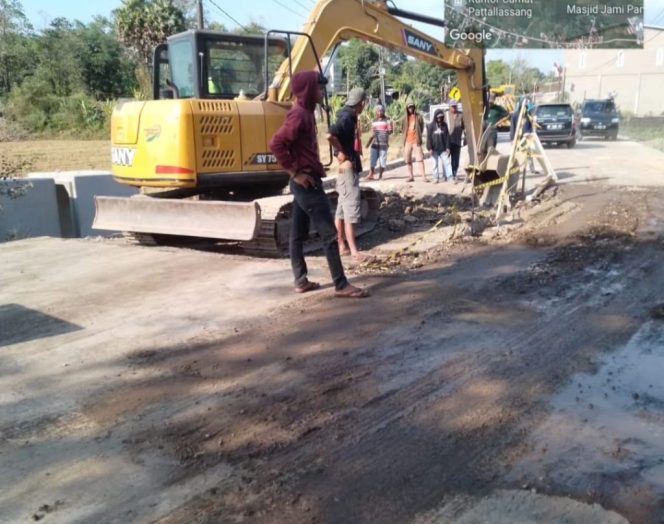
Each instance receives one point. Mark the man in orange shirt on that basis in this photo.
(413, 125)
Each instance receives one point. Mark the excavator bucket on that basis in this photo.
(195, 218)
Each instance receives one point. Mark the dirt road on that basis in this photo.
(512, 377)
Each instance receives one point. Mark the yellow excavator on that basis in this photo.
(199, 151)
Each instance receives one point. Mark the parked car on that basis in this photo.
(556, 124)
(599, 118)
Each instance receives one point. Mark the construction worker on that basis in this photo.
(495, 113)
(213, 89)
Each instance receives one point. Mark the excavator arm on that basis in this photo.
(333, 21)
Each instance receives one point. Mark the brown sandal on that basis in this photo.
(351, 292)
(309, 286)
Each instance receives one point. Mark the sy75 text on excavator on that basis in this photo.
(199, 151)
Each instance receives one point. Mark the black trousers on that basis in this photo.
(310, 205)
(455, 154)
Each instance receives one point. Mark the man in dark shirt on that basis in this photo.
(342, 136)
(296, 149)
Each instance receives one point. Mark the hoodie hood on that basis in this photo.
(305, 87)
(438, 112)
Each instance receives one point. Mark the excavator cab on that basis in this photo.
(218, 66)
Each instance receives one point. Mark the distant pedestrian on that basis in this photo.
(438, 144)
(379, 143)
(456, 129)
(413, 126)
(296, 149)
(342, 135)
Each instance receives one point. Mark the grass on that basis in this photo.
(647, 130)
(60, 155)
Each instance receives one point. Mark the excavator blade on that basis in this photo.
(195, 218)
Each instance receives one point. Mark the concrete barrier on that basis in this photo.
(75, 197)
(33, 212)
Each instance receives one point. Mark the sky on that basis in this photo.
(291, 14)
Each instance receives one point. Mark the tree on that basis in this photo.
(64, 75)
(360, 63)
(252, 28)
(15, 45)
(143, 24)
(106, 70)
(498, 73)
(524, 76)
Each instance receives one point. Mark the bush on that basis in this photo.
(11, 131)
(35, 109)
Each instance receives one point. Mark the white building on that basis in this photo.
(634, 76)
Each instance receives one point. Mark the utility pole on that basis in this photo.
(381, 72)
(200, 13)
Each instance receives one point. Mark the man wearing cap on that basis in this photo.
(296, 149)
(379, 142)
(413, 125)
(342, 135)
(456, 128)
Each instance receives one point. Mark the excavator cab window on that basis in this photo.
(183, 68)
(234, 65)
(209, 64)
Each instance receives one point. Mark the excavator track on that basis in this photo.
(272, 236)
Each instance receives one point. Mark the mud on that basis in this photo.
(381, 422)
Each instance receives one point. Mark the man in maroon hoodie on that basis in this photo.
(296, 148)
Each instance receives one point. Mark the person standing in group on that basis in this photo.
(379, 143)
(413, 125)
(342, 135)
(438, 144)
(296, 149)
(456, 129)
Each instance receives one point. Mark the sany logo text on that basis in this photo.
(416, 42)
(122, 156)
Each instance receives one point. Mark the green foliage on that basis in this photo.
(252, 28)
(518, 72)
(143, 24)
(395, 112)
(107, 72)
(360, 63)
(498, 73)
(421, 81)
(40, 111)
(15, 45)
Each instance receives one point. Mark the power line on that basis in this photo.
(659, 15)
(227, 15)
(287, 8)
(302, 5)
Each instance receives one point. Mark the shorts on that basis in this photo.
(348, 204)
(378, 158)
(410, 150)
